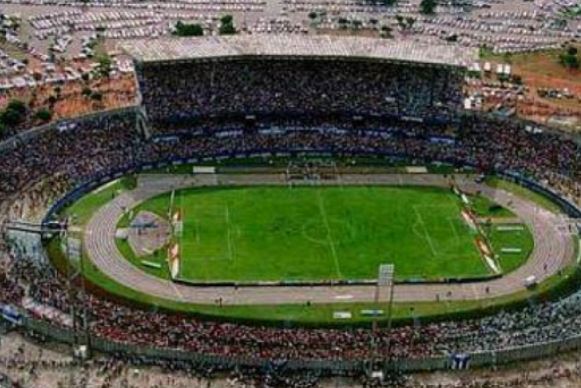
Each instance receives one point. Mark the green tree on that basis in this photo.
(104, 65)
(227, 25)
(43, 115)
(386, 32)
(570, 58)
(400, 21)
(17, 106)
(428, 7)
(12, 118)
(227, 19)
(227, 29)
(184, 29)
(96, 96)
(87, 92)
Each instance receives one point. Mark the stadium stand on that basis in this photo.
(183, 81)
(198, 109)
(62, 156)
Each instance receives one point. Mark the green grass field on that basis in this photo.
(321, 233)
(301, 314)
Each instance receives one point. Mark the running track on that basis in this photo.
(553, 248)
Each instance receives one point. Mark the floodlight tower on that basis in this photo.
(384, 281)
(75, 273)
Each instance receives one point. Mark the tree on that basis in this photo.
(227, 29)
(227, 25)
(43, 115)
(96, 96)
(52, 100)
(86, 92)
(569, 58)
(386, 32)
(428, 7)
(226, 19)
(10, 118)
(13, 115)
(312, 15)
(17, 106)
(105, 65)
(400, 21)
(183, 29)
(410, 22)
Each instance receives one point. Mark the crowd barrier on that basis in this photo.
(570, 208)
(326, 367)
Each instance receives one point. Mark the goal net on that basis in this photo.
(311, 171)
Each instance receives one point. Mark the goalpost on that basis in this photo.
(311, 171)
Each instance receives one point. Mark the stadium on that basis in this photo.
(305, 206)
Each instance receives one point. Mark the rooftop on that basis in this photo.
(175, 49)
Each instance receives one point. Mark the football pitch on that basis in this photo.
(321, 233)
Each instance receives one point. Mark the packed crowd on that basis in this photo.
(186, 92)
(80, 151)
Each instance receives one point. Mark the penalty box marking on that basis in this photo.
(227, 256)
(426, 233)
(417, 209)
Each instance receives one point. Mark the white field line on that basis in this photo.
(105, 186)
(429, 239)
(329, 237)
(456, 235)
(228, 233)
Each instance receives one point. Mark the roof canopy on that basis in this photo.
(183, 49)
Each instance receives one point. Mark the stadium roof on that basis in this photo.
(180, 49)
